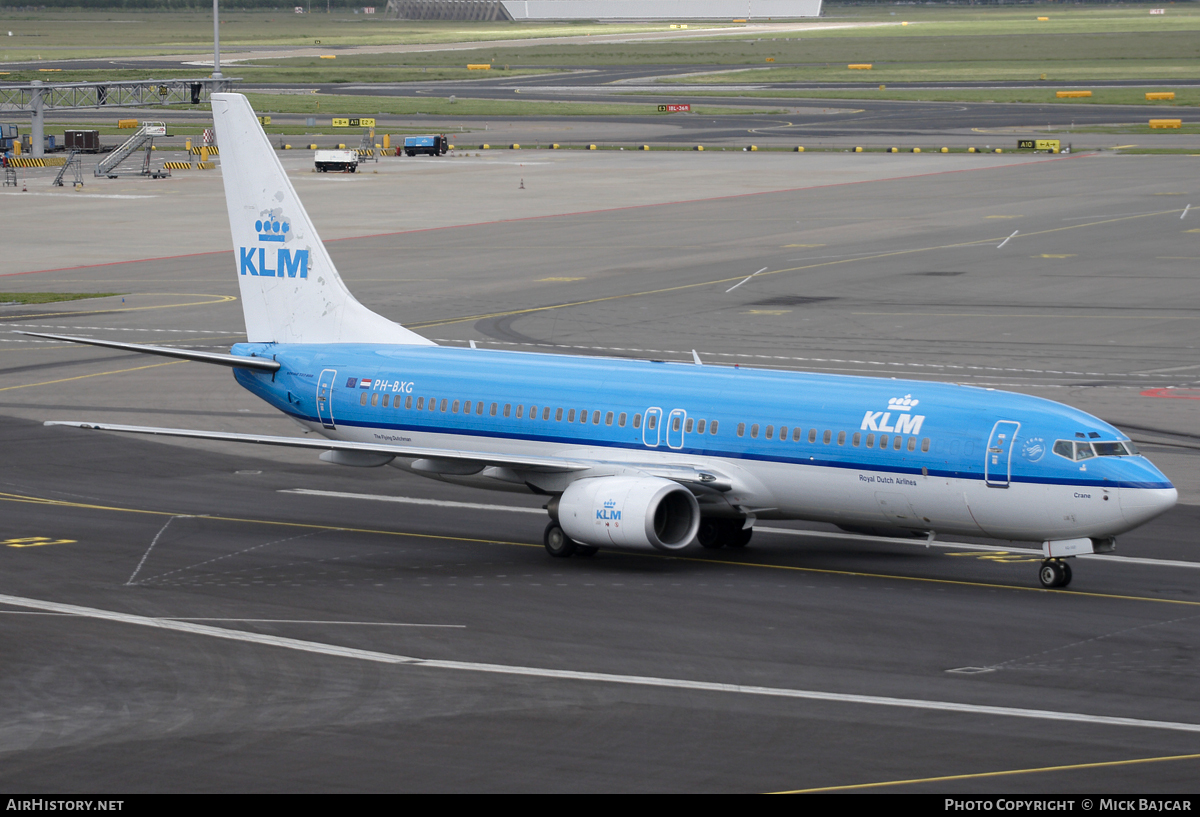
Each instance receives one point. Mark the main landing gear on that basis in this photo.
(562, 546)
(1055, 573)
(723, 533)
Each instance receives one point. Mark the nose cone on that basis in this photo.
(1140, 505)
(1145, 491)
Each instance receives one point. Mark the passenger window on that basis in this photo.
(637, 421)
(741, 429)
(912, 443)
(595, 418)
(583, 415)
(362, 401)
(699, 427)
(494, 407)
(856, 439)
(925, 446)
(533, 412)
(686, 426)
(546, 413)
(558, 415)
(827, 436)
(608, 418)
(507, 409)
(796, 432)
(454, 408)
(520, 411)
(571, 416)
(754, 431)
(812, 435)
(408, 402)
(675, 423)
(883, 441)
(770, 432)
(870, 441)
(375, 399)
(386, 400)
(421, 403)
(443, 405)
(479, 408)
(621, 420)
(433, 404)
(782, 433)
(652, 422)
(841, 438)
(712, 429)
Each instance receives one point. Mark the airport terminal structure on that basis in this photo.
(602, 9)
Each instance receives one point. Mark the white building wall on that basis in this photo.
(660, 9)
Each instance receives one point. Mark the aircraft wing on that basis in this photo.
(695, 477)
(483, 458)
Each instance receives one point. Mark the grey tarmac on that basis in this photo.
(882, 265)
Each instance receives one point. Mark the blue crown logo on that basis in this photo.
(271, 230)
(611, 503)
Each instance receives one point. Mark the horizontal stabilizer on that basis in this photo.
(235, 361)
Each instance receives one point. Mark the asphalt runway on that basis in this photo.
(185, 616)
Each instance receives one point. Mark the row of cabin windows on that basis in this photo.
(689, 425)
(896, 442)
(420, 404)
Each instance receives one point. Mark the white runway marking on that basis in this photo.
(744, 280)
(684, 356)
(412, 500)
(1005, 241)
(304, 621)
(333, 650)
(940, 543)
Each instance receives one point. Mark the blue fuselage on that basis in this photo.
(871, 433)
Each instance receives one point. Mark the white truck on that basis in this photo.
(344, 161)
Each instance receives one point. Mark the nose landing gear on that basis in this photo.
(1054, 573)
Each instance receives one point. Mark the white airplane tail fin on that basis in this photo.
(291, 292)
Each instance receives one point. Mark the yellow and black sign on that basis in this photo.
(1039, 144)
(354, 123)
(264, 120)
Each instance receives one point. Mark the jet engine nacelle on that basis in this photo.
(629, 511)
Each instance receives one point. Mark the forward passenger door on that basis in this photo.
(997, 463)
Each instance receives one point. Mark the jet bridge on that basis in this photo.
(35, 97)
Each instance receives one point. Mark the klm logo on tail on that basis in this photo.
(254, 260)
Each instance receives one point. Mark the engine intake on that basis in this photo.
(629, 511)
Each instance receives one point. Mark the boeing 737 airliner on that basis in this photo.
(646, 454)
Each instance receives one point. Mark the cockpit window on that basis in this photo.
(1121, 449)
(1074, 450)
(1079, 450)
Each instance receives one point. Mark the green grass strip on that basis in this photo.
(51, 297)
